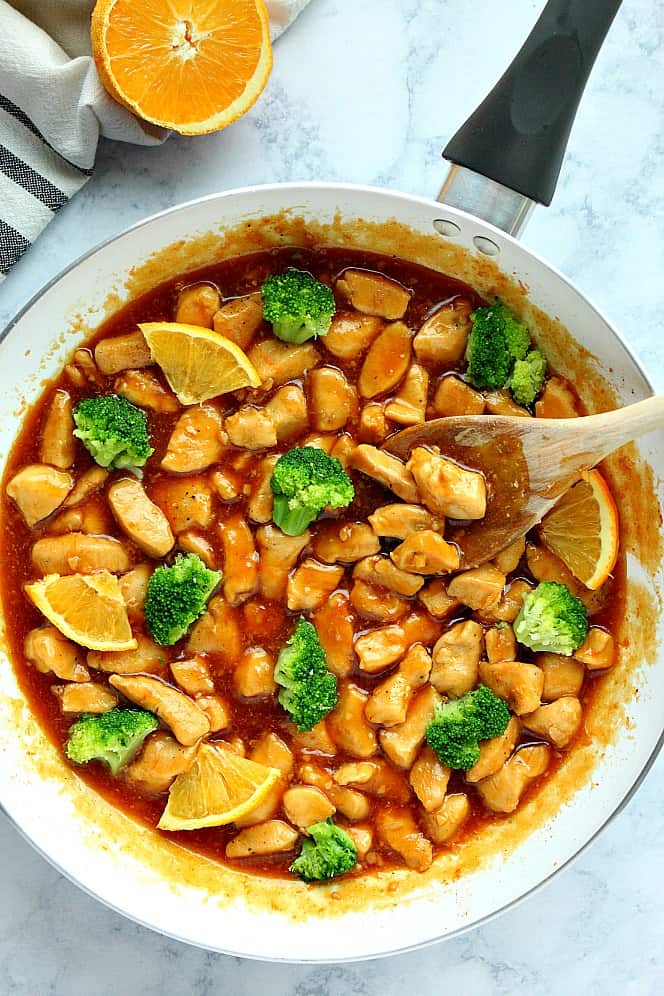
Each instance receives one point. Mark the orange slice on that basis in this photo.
(583, 530)
(220, 787)
(87, 608)
(198, 364)
(193, 66)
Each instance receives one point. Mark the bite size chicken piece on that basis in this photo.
(86, 367)
(139, 518)
(278, 362)
(429, 778)
(377, 649)
(442, 338)
(88, 697)
(350, 334)
(78, 553)
(187, 722)
(278, 554)
(456, 659)
(311, 585)
(597, 651)
(343, 449)
(398, 521)
(562, 675)
(397, 828)
(92, 517)
(239, 319)
(240, 559)
(159, 763)
(363, 839)
(147, 657)
(381, 571)
(321, 442)
(227, 483)
(345, 542)
(123, 352)
(494, 752)
(454, 397)
(385, 469)
(197, 305)
(426, 552)
(134, 587)
(334, 625)
(502, 791)
(416, 666)
(508, 559)
(89, 482)
(193, 676)
(556, 401)
(185, 501)
(402, 743)
(251, 428)
(218, 711)
(436, 600)
(261, 497)
(332, 401)
(218, 631)
(377, 778)
(545, 566)
(317, 740)
(500, 643)
(518, 683)
(305, 805)
(52, 653)
(57, 444)
(479, 588)
(373, 293)
(419, 627)
(386, 362)
(143, 388)
(409, 405)
(445, 487)
(389, 701)
(288, 410)
(38, 489)
(253, 677)
(377, 603)
(558, 722)
(350, 803)
(501, 403)
(347, 723)
(267, 809)
(190, 541)
(196, 442)
(271, 750)
(373, 426)
(271, 837)
(444, 824)
(507, 608)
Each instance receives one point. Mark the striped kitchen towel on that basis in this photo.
(53, 110)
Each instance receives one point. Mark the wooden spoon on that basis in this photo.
(528, 463)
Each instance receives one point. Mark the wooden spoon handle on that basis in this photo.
(610, 430)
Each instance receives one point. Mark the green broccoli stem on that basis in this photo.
(291, 521)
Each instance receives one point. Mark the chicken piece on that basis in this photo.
(347, 723)
(271, 837)
(38, 490)
(494, 752)
(217, 710)
(311, 585)
(362, 837)
(416, 666)
(500, 643)
(506, 609)
(187, 722)
(267, 809)
(377, 778)
(272, 751)
(397, 828)
(447, 488)
(562, 676)
(545, 566)
(508, 559)
(344, 542)
(400, 520)
(253, 677)
(558, 722)
(251, 428)
(192, 542)
(226, 483)
(57, 445)
(197, 305)
(89, 482)
(52, 653)
(409, 406)
(278, 554)
(557, 400)
(288, 410)
(193, 676)
(218, 631)
(261, 498)
(123, 352)
(379, 570)
(373, 426)
(197, 441)
(350, 334)
(479, 588)
(240, 319)
(186, 501)
(134, 587)
(385, 469)
(351, 804)
(142, 521)
(88, 697)
(386, 362)
(426, 552)
(519, 684)
(334, 625)
(78, 553)
(278, 362)
(436, 600)
(159, 763)
(377, 604)
(240, 560)
(420, 627)
(317, 740)
(332, 401)
(377, 649)
(456, 659)
(454, 397)
(442, 338)
(147, 657)
(92, 517)
(429, 778)
(502, 791)
(373, 293)
(389, 701)
(320, 442)
(597, 651)
(305, 805)
(144, 389)
(444, 824)
(501, 403)
(402, 743)
(343, 449)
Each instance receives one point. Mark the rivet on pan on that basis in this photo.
(485, 245)
(448, 228)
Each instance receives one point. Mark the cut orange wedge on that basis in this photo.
(583, 530)
(87, 608)
(193, 66)
(220, 787)
(198, 364)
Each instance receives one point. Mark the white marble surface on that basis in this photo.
(370, 92)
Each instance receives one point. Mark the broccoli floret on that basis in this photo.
(551, 619)
(298, 306)
(527, 377)
(304, 481)
(112, 737)
(308, 689)
(177, 596)
(495, 342)
(328, 852)
(114, 431)
(458, 726)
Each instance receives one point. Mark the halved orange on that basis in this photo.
(87, 608)
(220, 787)
(583, 530)
(193, 66)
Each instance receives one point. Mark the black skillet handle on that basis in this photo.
(519, 134)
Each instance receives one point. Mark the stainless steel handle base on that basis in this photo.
(486, 199)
